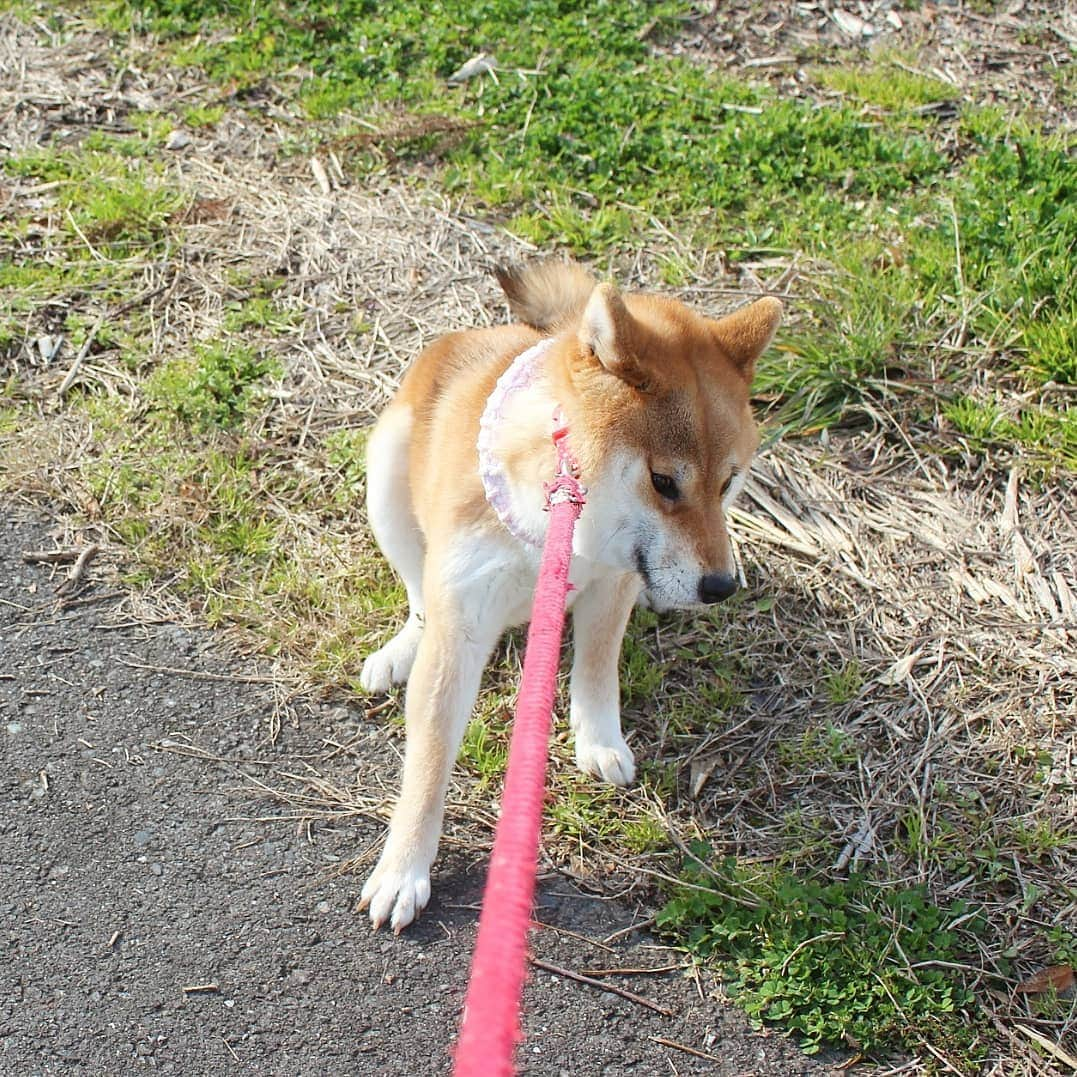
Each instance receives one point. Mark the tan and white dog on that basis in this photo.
(656, 401)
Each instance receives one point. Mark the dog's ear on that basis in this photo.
(744, 334)
(607, 332)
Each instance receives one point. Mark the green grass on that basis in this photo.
(641, 675)
(845, 963)
(113, 198)
(1014, 220)
(212, 388)
(890, 82)
(109, 208)
(843, 684)
(585, 137)
(1048, 435)
(258, 312)
(819, 746)
(174, 461)
(199, 496)
(203, 116)
(593, 126)
(485, 749)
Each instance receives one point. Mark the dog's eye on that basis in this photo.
(666, 486)
(728, 482)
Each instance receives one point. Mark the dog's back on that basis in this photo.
(447, 385)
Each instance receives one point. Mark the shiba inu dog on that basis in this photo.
(656, 399)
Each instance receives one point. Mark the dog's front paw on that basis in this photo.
(612, 763)
(395, 893)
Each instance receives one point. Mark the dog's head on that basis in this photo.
(659, 407)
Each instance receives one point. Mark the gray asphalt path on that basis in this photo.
(158, 915)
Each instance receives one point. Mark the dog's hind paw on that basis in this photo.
(395, 896)
(612, 763)
(392, 664)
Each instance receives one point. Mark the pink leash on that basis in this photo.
(491, 1021)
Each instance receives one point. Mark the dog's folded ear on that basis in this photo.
(744, 334)
(606, 331)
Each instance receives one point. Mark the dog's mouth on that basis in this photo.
(642, 567)
(651, 599)
(647, 597)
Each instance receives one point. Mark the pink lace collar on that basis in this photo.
(521, 374)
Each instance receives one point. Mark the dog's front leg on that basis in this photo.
(441, 692)
(599, 617)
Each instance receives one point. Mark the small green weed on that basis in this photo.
(583, 809)
(804, 831)
(843, 684)
(819, 747)
(235, 523)
(485, 749)
(844, 962)
(203, 115)
(1039, 838)
(963, 839)
(889, 82)
(1063, 945)
(1050, 433)
(1065, 77)
(641, 675)
(213, 388)
(155, 127)
(259, 312)
(346, 455)
(641, 833)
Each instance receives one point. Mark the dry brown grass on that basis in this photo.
(920, 611)
(1012, 53)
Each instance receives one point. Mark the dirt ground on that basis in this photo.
(160, 915)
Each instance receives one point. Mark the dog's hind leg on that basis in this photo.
(393, 522)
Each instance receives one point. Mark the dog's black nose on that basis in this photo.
(716, 586)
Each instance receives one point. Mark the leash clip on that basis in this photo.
(566, 485)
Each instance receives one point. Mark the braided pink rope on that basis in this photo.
(491, 1022)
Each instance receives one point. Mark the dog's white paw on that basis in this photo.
(612, 763)
(392, 664)
(395, 894)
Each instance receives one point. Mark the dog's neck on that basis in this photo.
(517, 416)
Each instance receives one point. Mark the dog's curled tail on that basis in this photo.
(548, 295)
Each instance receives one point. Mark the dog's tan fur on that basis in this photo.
(647, 386)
